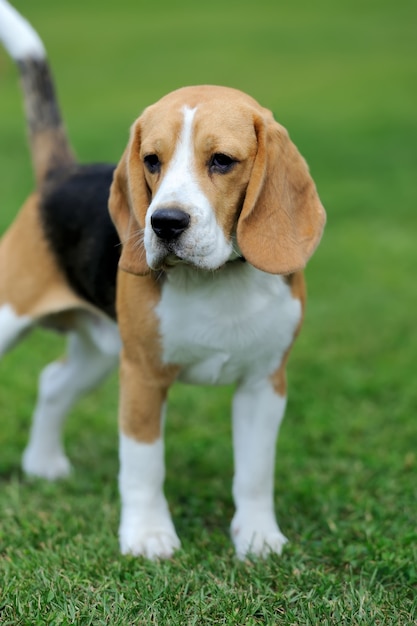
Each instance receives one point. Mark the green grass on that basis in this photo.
(342, 78)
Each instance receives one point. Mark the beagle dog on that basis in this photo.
(215, 217)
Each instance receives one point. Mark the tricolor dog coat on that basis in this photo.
(196, 277)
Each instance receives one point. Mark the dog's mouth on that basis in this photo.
(168, 259)
(171, 260)
(167, 255)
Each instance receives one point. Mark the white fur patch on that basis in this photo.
(103, 332)
(232, 325)
(203, 244)
(257, 414)
(18, 36)
(11, 327)
(146, 528)
(91, 355)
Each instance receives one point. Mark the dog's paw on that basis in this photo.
(50, 467)
(152, 543)
(148, 531)
(256, 536)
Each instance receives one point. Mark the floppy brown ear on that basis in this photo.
(128, 203)
(282, 218)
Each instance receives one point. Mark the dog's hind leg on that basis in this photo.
(12, 327)
(93, 349)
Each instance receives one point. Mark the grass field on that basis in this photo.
(343, 79)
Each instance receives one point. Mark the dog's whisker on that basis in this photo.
(137, 235)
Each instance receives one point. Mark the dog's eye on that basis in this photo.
(221, 163)
(152, 163)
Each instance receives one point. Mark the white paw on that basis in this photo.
(50, 467)
(256, 535)
(149, 541)
(147, 530)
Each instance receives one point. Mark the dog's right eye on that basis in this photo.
(152, 163)
(221, 163)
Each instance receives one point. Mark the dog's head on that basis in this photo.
(208, 175)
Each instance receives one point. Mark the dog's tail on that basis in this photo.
(49, 143)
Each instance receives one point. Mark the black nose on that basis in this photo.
(169, 223)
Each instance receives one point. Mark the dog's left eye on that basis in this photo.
(221, 163)
(152, 163)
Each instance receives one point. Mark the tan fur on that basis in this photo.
(49, 149)
(144, 380)
(298, 289)
(121, 202)
(282, 218)
(33, 285)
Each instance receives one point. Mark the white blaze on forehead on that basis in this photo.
(179, 184)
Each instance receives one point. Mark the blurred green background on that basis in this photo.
(342, 77)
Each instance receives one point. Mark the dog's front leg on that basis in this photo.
(146, 528)
(257, 413)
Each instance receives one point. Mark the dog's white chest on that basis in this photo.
(226, 327)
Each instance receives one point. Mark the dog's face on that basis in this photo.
(208, 174)
(197, 167)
